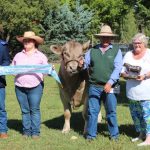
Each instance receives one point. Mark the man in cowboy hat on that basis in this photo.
(104, 62)
(4, 61)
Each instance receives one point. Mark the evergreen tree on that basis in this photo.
(143, 16)
(129, 27)
(64, 24)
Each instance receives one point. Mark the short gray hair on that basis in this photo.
(142, 38)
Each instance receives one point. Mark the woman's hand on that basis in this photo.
(141, 77)
(125, 75)
(53, 67)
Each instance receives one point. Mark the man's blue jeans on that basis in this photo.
(96, 95)
(29, 100)
(3, 114)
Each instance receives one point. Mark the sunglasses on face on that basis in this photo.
(28, 41)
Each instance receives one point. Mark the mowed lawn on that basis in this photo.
(52, 122)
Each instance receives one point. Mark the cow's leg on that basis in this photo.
(84, 114)
(67, 112)
(77, 99)
(67, 116)
(67, 109)
(99, 117)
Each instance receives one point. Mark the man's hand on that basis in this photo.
(107, 87)
(81, 62)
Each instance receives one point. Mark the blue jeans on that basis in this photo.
(29, 100)
(96, 95)
(3, 114)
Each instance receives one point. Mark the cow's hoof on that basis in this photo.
(99, 118)
(84, 133)
(65, 131)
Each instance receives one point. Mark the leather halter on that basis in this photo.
(71, 61)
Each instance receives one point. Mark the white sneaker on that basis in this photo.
(140, 137)
(143, 144)
(136, 139)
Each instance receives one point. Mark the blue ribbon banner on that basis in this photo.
(24, 69)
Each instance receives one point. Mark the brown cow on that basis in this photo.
(73, 92)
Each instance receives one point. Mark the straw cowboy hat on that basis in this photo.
(30, 35)
(105, 31)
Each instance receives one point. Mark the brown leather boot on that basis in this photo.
(3, 135)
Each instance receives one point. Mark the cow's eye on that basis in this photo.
(66, 54)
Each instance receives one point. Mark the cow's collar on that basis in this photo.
(78, 61)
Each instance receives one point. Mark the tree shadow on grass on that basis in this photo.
(76, 122)
(128, 130)
(55, 123)
(15, 124)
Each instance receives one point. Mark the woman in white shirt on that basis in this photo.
(136, 70)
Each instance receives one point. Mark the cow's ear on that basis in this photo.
(86, 45)
(56, 49)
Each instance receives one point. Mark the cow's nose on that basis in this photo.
(73, 68)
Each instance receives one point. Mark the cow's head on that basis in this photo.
(71, 53)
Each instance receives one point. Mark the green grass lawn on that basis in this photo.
(52, 123)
